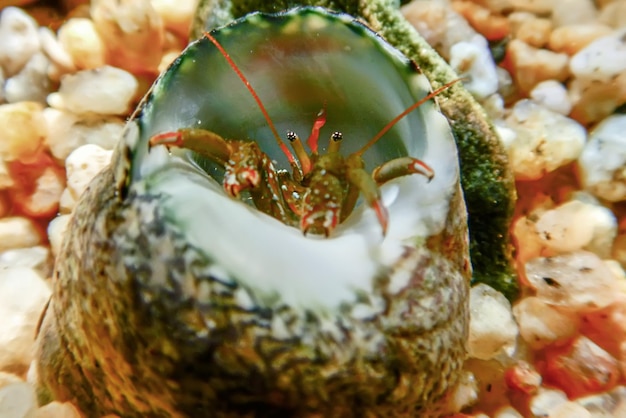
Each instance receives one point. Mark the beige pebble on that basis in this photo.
(542, 140)
(573, 12)
(594, 101)
(132, 32)
(17, 232)
(606, 405)
(43, 201)
(579, 281)
(441, 26)
(534, 32)
(533, 65)
(570, 39)
(602, 162)
(533, 6)
(492, 327)
(17, 400)
(68, 131)
(601, 60)
(18, 39)
(23, 130)
(57, 410)
(167, 59)
(56, 232)
(473, 61)
(56, 53)
(541, 324)
(23, 295)
(83, 164)
(492, 26)
(78, 36)
(6, 180)
(8, 378)
(106, 91)
(176, 14)
(613, 14)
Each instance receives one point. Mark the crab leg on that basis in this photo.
(399, 167)
(203, 142)
(361, 179)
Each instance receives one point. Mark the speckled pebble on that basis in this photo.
(601, 60)
(30, 84)
(106, 91)
(492, 327)
(472, 59)
(82, 165)
(543, 140)
(603, 160)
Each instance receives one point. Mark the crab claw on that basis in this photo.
(236, 182)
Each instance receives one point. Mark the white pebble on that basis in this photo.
(576, 225)
(30, 84)
(17, 232)
(56, 232)
(18, 39)
(545, 401)
(82, 165)
(544, 141)
(23, 295)
(472, 59)
(492, 327)
(569, 410)
(552, 95)
(176, 14)
(37, 258)
(17, 400)
(541, 324)
(579, 281)
(603, 160)
(55, 52)
(68, 131)
(601, 60)
(606, 405)
(571, 12)
(106, 90)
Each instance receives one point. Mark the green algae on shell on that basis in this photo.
(172, 299)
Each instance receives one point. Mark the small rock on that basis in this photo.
(8, 378)
(522, 378)
(610, 404)
(18, 39)
(541, 324)
(82, 165)
(533, 65)
(79, 37)
(106, 90)
(57, 410)
(6, 180)
(17, 232)
(601, 60)
(545, 401)
(68, 131)
(613, 14)
(492, 327)
(23, 130)
(17, 400)
(570, 39)
(30, 84)
(132, 32)
(492, 26)
(593, 101)
(569, 368)
(534, 6)
(544, 141)
(56, 232)
(176, 14)
(577, 225)
(607, 327)
(41, 200)
(569, 410)
(534, 31)
(578, 281)
(573, 12)
(55, 52)
(23, 295)
(553, 96)
(602, 162)
(37, 258)
(472, 60)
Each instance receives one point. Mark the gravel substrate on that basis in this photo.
(551, 74)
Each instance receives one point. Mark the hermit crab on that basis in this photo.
(173, 298)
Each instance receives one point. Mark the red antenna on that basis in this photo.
(245, 81)
(403, 114)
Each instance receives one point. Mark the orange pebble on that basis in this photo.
(492, 26)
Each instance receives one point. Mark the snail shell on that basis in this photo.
(172, 299)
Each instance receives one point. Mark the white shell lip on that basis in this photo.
(274, 261)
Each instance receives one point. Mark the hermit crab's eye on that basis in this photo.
(291, 136)
(336, 136)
